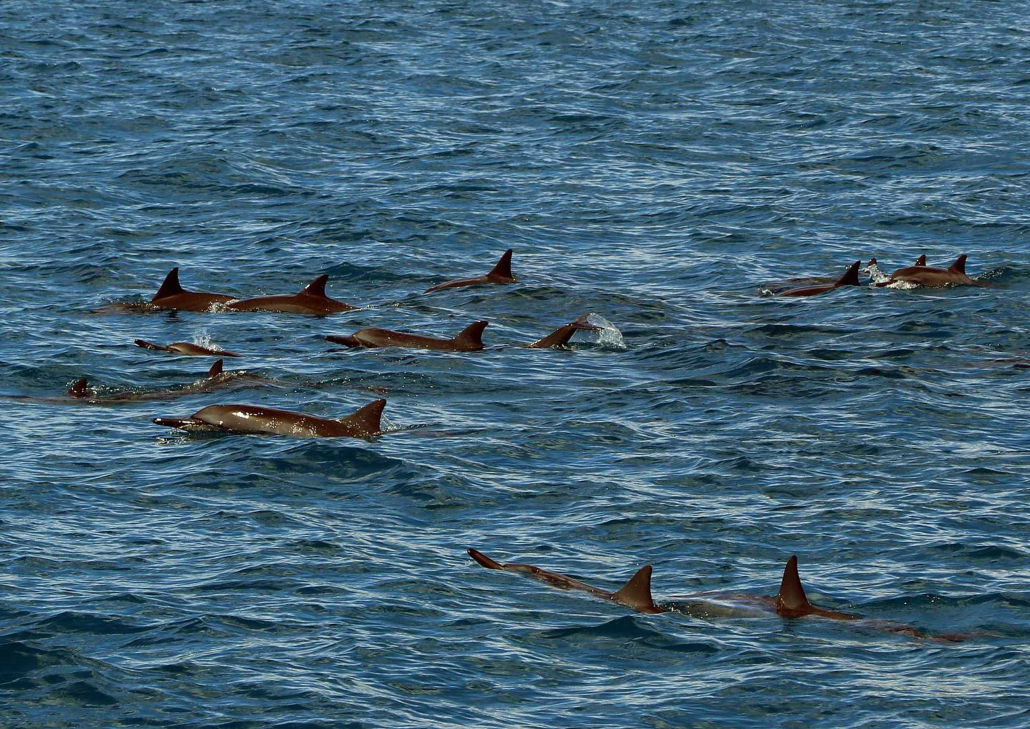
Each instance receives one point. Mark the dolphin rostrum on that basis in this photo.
(850, 278)
(499, 274)
(954, 275)
(364, 423)
(186, 348)
(789, 602)
(470, 339)
(311, 299)
(172, 296)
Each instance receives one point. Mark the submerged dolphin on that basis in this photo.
(311, 299)
(470, 339)
(172, 296)
(850, 278)
(954, 275)
(499, 274)
(186, 348)
(789, 602)
(364, 423)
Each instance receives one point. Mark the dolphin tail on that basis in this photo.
(316, 287)
(367, 420)
(78, 388)
(637, 592)
(472, 335)
(350, 341)
(484, 560)
(170, 287)
(561, 336)
(216, 369)
(150, 345)
(959, 266)
(791, 599)
(921, 261)
(850, 278)
(503, 268)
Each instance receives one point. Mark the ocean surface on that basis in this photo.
(657, 164)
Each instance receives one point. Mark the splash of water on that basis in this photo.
(609, 335)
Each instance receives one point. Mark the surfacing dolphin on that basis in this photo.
(850, 278)
(172, 296)
(933, 277)
(185, 348)
(470, 339)
(789, 602)
(499, 274)
(363, 423)
(311, 299)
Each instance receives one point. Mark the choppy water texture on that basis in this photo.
(656, 163)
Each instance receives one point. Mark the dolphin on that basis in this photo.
(499, 274)
(172, 296)
(309, 300)
(469, 340)
(363, 423)
(560, 337)
(954, 275)
(186, 348)
(790, 601)
(850, 278)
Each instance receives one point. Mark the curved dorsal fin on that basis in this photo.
(170, 287)
(872, 262)
(216, 369)
(637, 592)
(850, 278)
(78, 388)
(921, 261)
(316, 287)
(503, 267)
(472, 335)
(791, 597)
(959, 266)
(367, 420)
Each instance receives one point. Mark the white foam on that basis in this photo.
(609, 336)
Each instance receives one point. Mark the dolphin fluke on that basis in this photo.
(216, 369)
(316, 287)
(850, 278)
(791, 599)
(503, 268)
(921, 261)
(78, 388)
(484, 560)
(367, 421)
(471, 337)
(959, 266)
(170, 286)
(348, 341)
(561, 336)
(637, 592)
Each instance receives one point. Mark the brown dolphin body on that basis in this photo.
(172, 296)
(499, 274)
(931, 276)
(216, 377)
(469, 340)
(186, 348)
(363, 423)
(850, 278)
(311, 299)
(789, 602)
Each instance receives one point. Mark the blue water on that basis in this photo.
(656, 163)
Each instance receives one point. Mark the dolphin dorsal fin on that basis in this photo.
(472, 335)
(78, 388)
(791, 596)
(959, 266)
(316, 287)
(637, 592)
(367, 420)
(872, 262)
(216, 369)
(170, 287)
(921, 261)
(850, 278)
(503, 267)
